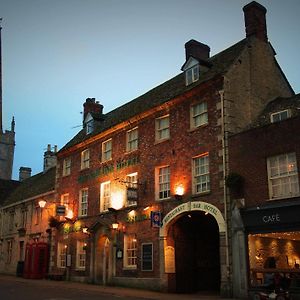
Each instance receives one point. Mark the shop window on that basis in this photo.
(83, 202)
(283, 176)
(107, 150)
(80, 255)
(199, 115)
(61, 254)
(132, 139)
(162, 128)
(105, 196)
(201, 179)
(273, 253)
(85, 159)
(162, 178)
(66, 166)
(130, 251)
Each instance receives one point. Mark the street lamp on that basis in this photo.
(42, 203)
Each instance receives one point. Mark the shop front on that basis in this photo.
(273, 240)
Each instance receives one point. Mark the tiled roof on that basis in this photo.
(220, 63)
(33, 186)
(7, 187)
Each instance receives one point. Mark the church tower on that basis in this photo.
(7, 137)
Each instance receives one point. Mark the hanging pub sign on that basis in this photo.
(155, 219)
(60, 210)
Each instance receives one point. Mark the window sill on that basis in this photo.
(106, 161)
(192, 129)
(129, 268)
(200, 194)
(284, 197)
(161, 141)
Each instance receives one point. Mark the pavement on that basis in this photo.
(113, 290)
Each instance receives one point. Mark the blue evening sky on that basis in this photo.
(57, 53)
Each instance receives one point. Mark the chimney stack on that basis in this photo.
(24, 173)
(49, 158)
(91, 105)
(255, 20)
(197, 50)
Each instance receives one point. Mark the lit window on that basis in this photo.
(106, 150)
(67, 166)
(192, 74)
(132, 140)
(280, 116)
(105, 198)
(80, 255)
(83, 204)
(199, 115)
(130, 251)
(162, 128)
(201, 180)
(131, 183)
(61, 254)
(283, 176)
(85, 159)
(163, 183)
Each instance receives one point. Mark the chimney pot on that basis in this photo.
(24, 173)
(91, 105)
(255, 20)
(197, 50)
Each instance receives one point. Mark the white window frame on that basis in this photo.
(61, 255)
(162, 131)
(105, 196)
(131, 182)
(107, 150)
(283, 173)
(67, 166)
(83, 202)
(132, 138)
(89, 126)
(192, 74)
(201, 175)
(85, 159)
(198, 115)
(80, 255)
(9, 251)
(282, 115)
(130, 251)
(163, 182)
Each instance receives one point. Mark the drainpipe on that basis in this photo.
(224, 163)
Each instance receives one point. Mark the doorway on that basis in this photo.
(197, 258)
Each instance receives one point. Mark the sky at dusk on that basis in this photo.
(57, 53)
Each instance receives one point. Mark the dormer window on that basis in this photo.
(89, 123)
(280, 116)
(192, 74)
(90, 126)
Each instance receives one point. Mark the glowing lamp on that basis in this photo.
(179, 191)
(42, 203)
(115, 225)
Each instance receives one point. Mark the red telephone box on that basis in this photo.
(36, 260)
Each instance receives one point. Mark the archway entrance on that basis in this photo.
(195, 235)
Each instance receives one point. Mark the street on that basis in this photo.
(45, 290)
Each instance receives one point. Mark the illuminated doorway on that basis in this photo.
(197, 258)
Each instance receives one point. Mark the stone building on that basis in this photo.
(7, 137)
(146, 181)
(25, 235)
(266, 194)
